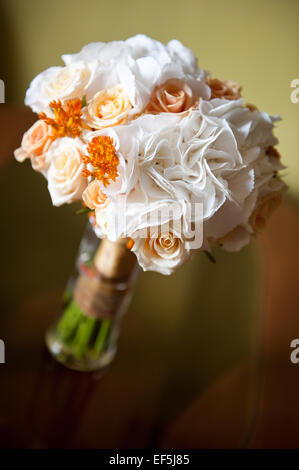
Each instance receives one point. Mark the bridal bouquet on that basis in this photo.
(161, 154)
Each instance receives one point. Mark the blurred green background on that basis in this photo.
(253, 42)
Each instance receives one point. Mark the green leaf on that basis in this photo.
(83, 101)
(84, 210)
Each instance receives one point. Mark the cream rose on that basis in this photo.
(93, 197)
(101, 218)
(61, 83)
(34, 145)
(173, 96)
(65, 180)
(109, 107)
(162, 253)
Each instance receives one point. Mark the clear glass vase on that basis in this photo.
(84, 337)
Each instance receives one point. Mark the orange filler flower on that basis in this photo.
(67, 121)
(103, 157)
(130, 243)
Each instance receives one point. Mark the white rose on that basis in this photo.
(65, 180)
(61, 83)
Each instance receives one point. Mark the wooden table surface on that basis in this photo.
(204, 355)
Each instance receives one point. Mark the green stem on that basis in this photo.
(102, 336)
(83, 335)
(77, 330)
(69, 321)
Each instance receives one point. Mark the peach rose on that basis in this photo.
(224, 89)
(265, 207)
(35, 144)
(93, 197)
(109, 107)
(174, 96)
(163, 253)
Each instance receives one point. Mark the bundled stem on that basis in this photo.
(86, 328)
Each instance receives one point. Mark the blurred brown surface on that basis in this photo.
(276, 410)
(188, 375)
(14, 122)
